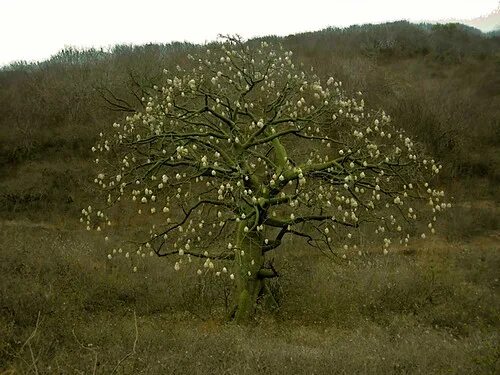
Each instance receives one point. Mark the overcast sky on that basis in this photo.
(37, 29)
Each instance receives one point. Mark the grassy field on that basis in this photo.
(429, 310)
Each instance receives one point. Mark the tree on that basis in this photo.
(240, 148)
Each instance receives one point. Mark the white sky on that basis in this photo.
(37, 29)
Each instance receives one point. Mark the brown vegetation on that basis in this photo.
(432, 309)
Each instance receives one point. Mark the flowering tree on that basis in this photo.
(240, 148)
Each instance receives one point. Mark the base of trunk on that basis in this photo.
(246, 302)
(251, 283)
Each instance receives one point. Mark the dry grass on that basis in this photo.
(430, 310)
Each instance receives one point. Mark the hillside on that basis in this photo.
(441, 82)
(431, 308)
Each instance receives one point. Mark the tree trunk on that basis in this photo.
(249, 260)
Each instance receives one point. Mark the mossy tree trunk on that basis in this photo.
(249, 261)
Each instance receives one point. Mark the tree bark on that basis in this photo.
(249, 260)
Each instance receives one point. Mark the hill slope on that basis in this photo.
(441, 82)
